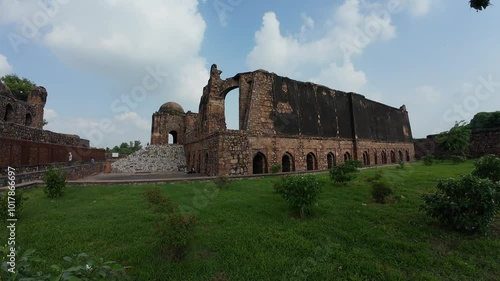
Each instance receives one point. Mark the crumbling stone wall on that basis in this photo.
(28, 113)
(283, 121)
(482, 142)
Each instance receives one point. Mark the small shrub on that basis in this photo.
(377, 176)
(428, 160)
(221, 182)
(301, 192)
(79, 267)
(176, 232)
(18, 204)
(488, 167)
(401, 165)
(55, 182)
(468, 204)
(380, 191)
(353, 163)
(276, 168)
(158, 202)
(344, 173)
(457, 159)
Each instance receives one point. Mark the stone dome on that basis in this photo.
(171, 107)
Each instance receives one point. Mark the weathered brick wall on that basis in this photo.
(481, 142)
(17, 152)
(232, 152)
(16, 131)
(485, 142)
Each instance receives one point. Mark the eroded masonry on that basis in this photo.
(297, 125)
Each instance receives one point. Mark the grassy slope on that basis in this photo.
(246, 233)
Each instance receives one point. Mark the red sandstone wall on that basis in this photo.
(21, 152)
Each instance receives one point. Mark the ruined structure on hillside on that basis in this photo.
(298, 125)
(23, 140)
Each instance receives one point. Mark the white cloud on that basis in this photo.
(328, 59)
(420, 7)
(5, 67)
(120, 39)
(50, 114)
(135, 119)
(427, 95)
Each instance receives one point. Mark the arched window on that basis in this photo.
(400, 154)
(384, 157)
(330, 158)
(366, 159)
(172, 137)
(393, 156)
(347, 156)
(207, 170)
(287, 163)
(407, 156)
(28, 120)
(312, 163)
(375, 158)
(259, 163)
(9, 113)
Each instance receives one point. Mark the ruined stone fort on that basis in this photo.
(298, 125)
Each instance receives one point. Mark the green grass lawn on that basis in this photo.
(245, 232)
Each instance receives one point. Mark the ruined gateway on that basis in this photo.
(298, 125)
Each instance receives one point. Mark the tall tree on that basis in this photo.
(20, 87)
(479, 4)
(456, 140)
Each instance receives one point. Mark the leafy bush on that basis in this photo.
(401, 165)
(276, 168)
(428, 160)
(353, 163)
(457, 159)
(345, 172)
(176, 233)
(18, 204)
(221, 182)
(377, 176)
(301, 192)
(380, 190)
(80, 267)
(468, 204)
(159, 202)
(488, 167)
(55, 182)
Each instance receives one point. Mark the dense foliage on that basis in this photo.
(345, 172)
(55, 182)
(488, 167)
(468, 204)
(479, 5)
(176, 232)
(485, 120)
(20, 87)
(125, 148)
(380, 191)
(301, 192)
(17, 202)
(456, 140)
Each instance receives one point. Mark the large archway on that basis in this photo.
(330, 159)
(259, 163)
(232, 109)
(172, 137)
(312, 163)
(366, 158)
(287, 163)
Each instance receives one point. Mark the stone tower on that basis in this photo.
(37, 99)
(168, 120)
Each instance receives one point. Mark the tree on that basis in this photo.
(456, 140)
(479, 5)
(485, 120)
(20, 87)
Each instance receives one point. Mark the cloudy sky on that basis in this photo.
(108, 65)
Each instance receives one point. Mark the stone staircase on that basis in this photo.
(152, 158)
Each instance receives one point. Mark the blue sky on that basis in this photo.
(109, 65)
